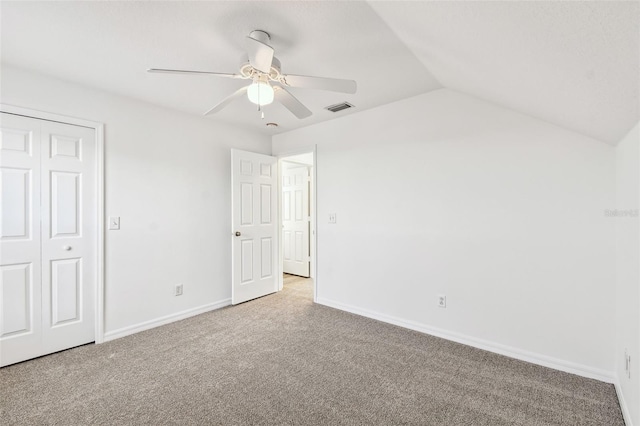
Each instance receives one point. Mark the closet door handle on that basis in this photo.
(238, 233)
(67, 248)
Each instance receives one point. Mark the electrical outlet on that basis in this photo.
(442, 301)
(178, 290)
(114, 223)
(332, 218)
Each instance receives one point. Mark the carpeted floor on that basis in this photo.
(281, 360)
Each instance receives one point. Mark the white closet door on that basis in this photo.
(68, 235)
(20, 268)
(48, 237)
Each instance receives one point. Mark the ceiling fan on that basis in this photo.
(263, 69)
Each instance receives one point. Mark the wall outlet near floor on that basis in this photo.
(332, 218)
(442, 301)
(627, 363)
(178, 290)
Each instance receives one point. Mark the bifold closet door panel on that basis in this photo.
(20, 265)
(68, 235)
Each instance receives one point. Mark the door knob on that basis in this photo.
(67, 248)
(238, 233)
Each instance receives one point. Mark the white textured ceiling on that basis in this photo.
(110, 45)
(574, 64)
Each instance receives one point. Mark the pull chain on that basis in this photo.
(260, 106)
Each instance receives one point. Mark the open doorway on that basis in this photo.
(297, 217)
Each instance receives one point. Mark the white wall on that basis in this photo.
(628, 272)
(168, 178)
(503, 213)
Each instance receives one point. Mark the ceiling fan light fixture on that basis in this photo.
(260, 92)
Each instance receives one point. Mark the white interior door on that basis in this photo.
(49, 232)
(295, 220)
(254, 215)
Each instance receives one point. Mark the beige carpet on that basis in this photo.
(281, 360)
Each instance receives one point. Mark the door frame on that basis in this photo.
(314, 215)
(99, 140)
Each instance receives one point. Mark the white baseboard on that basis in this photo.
(534, 358)
(623, 403)
(132, 329)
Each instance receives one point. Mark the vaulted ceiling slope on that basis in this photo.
(574, 64)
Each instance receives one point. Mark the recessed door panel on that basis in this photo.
(266, 254)
(15, 140)
(246, 168)
(299, 206)
(286, 249)
(286, 208)
(16, 299)
(265, 204)
(65, 204)
(247, 261)
(246, 204)
(16, 203)
(66, 288)
(299, 249)
(66, 147)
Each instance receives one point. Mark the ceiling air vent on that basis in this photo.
(339, 107)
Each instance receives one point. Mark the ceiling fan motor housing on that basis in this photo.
(248, 71)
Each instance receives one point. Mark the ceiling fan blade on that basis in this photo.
(217, 74)
(226, 101)
(290, 102)
(260, 55)
(322, 83)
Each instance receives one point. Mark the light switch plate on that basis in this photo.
(332, 218)
(114, 223)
